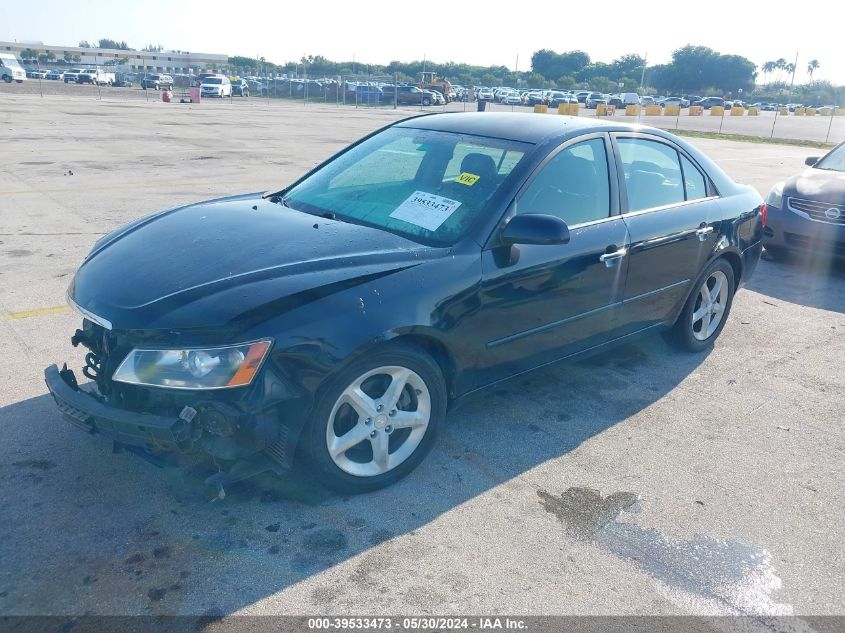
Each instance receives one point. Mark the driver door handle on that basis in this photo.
(611, 259)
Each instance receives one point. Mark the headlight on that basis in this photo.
(775, 197)
(196, 368)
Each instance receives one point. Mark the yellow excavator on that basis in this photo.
(429, 81)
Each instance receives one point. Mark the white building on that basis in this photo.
(161, 61)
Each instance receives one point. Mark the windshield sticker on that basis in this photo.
(426, 210)
(467, 179)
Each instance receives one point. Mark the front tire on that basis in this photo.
(375, 421)
(706, 311)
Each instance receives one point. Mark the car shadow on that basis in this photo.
(88, 531)
(810, 281)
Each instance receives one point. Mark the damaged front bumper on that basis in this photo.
(82, 409)
(166, 439)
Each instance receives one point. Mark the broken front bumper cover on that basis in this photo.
(143, 434)
(128, 428)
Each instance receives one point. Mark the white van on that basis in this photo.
(216, 86)
(10, 68)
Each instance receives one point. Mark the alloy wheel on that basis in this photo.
(710, 305)
(378, 421)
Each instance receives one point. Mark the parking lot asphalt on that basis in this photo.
(816, 128)
(641, 481)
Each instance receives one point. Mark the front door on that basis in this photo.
(539, 303)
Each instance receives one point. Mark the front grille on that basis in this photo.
(819, 210)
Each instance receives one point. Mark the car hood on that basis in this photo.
(823, 185)
(228, 261)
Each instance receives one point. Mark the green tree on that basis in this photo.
(84, 44)
(109, 43)
(812, 66)
(28, 54)
(551, 64)
(628, 66)
(534, 80)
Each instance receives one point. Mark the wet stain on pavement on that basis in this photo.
(583, 511)
(703, 575)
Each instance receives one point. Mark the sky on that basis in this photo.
(482, 33)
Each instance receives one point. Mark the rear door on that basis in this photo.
(539, 303)
(671, 211)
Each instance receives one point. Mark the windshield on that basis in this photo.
(834, 161)
(212, 80)
(425, 185)
(10, 63)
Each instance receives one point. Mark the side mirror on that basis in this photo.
(811, 160)
(535, 228)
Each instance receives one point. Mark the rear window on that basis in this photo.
(425, 185)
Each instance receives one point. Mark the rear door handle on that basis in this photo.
(703, 232)
(611, 259)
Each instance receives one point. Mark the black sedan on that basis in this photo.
(336, 320)
(807, 212)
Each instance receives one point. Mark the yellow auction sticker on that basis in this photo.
(467, 179)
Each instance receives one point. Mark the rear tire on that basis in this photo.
(380, 415)
(706, 311)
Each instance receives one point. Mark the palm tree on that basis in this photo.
(769, 68)
(811, 67)
(780, 65)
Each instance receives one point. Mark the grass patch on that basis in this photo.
(752, 139)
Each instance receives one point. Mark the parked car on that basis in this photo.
(647, 101)
(513, 98)
(240, 88)
(559, 98)
(256, 86)
(485, 94)
(709, 102)
(54, 75)
(35, 73)
(69, 76)
(678, 101)
(806, 213)
(596, 98)
(406, 282)
(411, 95)
(581, 96)
(122, 80)
(371, 95)
(95, 76)
(216, 86)
(157, 81)
(437, 97)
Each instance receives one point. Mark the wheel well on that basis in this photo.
(438, 351)
(736, 263)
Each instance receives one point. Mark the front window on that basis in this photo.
(834, 160)
(574, 185)
(426, 185)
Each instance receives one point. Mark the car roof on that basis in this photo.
(515, 126)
